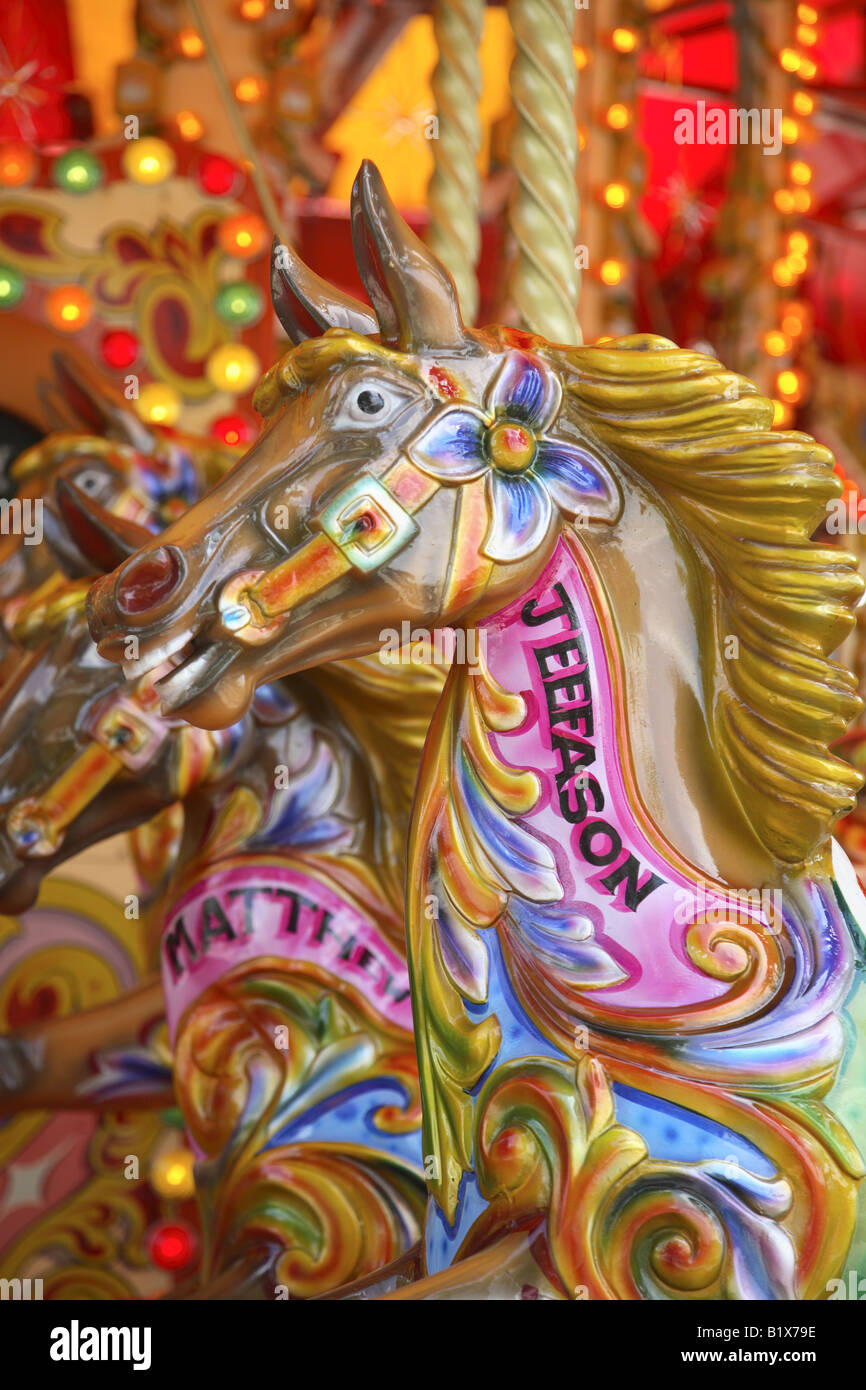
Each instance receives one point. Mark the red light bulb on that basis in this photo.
(231, 429)
(171, 1247)
(218, 175)
(119, 348)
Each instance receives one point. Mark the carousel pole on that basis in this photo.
(454, 192)
(242, 135)
(543, 211)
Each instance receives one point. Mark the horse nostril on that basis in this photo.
(147, 579)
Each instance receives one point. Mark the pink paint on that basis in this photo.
(562, 661)
(238, 913)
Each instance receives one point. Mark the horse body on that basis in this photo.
(285, 985)
(613, 950)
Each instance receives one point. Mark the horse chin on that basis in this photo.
(203, 694)
(18, 892)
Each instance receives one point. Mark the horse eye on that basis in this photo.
(89, 481)
(371, 402)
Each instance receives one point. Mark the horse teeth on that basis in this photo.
(192, 668)
(155, 656)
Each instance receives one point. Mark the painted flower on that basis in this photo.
(527, 473)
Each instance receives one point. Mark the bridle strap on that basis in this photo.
(366, 524)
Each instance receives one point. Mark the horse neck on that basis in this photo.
(638, 590)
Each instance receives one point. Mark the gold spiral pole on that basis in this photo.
(454, 191)
(543, 212)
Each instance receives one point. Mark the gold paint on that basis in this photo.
(750, 498)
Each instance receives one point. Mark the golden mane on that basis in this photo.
(749, 499)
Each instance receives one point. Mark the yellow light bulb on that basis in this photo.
(776, 343)
(790, 130)
(808, 68)
(616, 195)
(172, 1172)
(158, 404)
(624, 40)
(581, 57)
(782, 273)
(611, 272)
(802, 200)
(798, 264)
(149, 160)
(790, 59)
(807, 14)
(789, 385)
(806, 35)
(803, 103)
(801, 172)
(233, 367)
(799, 243)
(781, 413)
(617, 116)
(783, 200)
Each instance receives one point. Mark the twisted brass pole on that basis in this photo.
(543, 212)
(454, 191)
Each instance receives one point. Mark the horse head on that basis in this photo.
(411, 468)
(83, 755)
(382, 436)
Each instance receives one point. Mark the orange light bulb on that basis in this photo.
(190, 43)
(68, 308)
(189, 127)
(249, 89)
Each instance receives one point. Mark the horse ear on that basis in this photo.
(306, 305)
(411, 291)
(95, 405)
(103, 540)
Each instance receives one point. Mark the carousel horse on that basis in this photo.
(636, 952)
(100, 1058)
(286, 990)
(147, 474)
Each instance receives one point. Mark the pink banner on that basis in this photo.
(238, 913)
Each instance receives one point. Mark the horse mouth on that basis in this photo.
(196, 663)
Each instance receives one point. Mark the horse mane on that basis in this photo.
(387, 709)
(747, 498)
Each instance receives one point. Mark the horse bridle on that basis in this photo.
(362, 528)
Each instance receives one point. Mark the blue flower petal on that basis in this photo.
(450, 449)
(570, 475)
(526, 391)
(520, 516)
